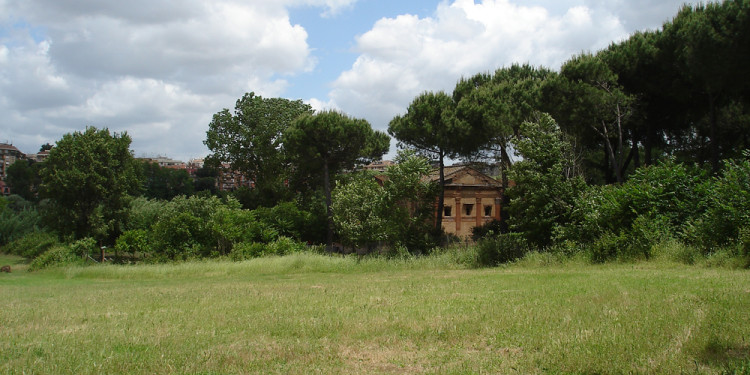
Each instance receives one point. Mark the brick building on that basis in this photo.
(471, 199)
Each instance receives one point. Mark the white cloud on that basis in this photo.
(319, 105)
(221, 39)
(161, 118)
(28, 80)
(149, 67)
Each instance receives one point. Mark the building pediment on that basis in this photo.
(466, 176)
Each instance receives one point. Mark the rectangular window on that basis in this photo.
(487, 211)
(447, 211)
(468, 208)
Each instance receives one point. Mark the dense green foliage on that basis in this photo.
(727, 207)
(23, 178)
(592, 106)
(496, 105)
(88, 178)
(189, 227)
(31, 245)
(55, 256)
(164, 183)
(360, 211)
(208, 227)
(329, 142)
(393, 209)
(17, 218)
(546, 182)
(250, 140)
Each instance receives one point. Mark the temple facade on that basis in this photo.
(471, 199)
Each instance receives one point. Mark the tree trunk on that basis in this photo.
(329, 210)
(713, 133)
(614, 156)
(612, 159)
(648, 146)
(637, 151)
(441, 197)
(606, 166)
(633, 155)
(618, 166)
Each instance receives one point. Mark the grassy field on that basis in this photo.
(314, 314)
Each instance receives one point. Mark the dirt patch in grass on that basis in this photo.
(376, 359)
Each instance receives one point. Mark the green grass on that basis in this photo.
(315, 314)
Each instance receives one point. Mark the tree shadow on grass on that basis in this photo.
(732, 358)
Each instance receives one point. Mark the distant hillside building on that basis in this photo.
(9, 154)
(38, 157)
(379, 166)
(230, 180)
(471, 199)
(166, 162)
(193, 165)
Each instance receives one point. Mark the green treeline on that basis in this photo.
(631, 152)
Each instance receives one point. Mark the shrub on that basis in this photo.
(229, 226)
(247, 250)
(500, 249)
(566, 248)
(16, 224)
(84, 247)
(286, 218)
(595, 212)
(636, 243)
(203, 227)
(32, 244)
(672, 191)
(17, 203)
(728, 207)
(676, 251)
(488, 229)
(725, 257)
(133, 241)
(57, 255)
(646, 233)
(179, 237)
(745, 241)
(607, 247)
(144, 213)
(546, 187)
(284, 246)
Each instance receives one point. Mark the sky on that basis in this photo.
(159, 71)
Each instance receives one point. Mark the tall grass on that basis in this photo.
(273, 265)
